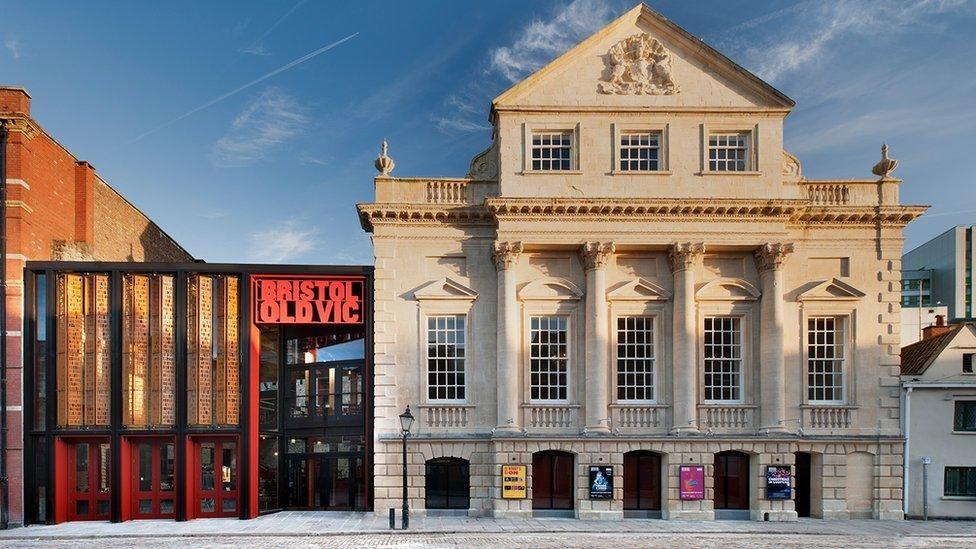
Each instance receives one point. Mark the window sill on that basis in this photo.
(747, 173)
(550, 172)
(964, 432)
(549, 403)
(640, 172)
(638, 404)
(958, 498)
(726, 404)
(839, 405)
(446, 405)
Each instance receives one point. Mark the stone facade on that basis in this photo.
(682, 244)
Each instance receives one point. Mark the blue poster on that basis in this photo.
(601, 482)
(778, 482)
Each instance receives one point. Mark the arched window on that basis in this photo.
(448, 483)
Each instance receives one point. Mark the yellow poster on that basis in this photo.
(513, 482)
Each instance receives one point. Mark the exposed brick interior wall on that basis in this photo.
(57, 208)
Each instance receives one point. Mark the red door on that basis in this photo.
(552, 480)
(154, 480)
(216, 484)
(731, 480)
(89, 479)
(642, 481)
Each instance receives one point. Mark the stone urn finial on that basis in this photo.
(886, 165)
(384, 164)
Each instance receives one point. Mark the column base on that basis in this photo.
(596, 430)
(685, 430)
(775, 430)
(507, 430)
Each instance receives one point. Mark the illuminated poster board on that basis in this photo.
(692, 479)
(778, 482)
(601, 482)
(295, 299)
(513, 482)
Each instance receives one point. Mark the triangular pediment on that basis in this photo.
(834, 289)
(643, 60)
(550, 288)
(445, 288)
(727, 289)
(639, 289)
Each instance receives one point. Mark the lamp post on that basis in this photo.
(406, 421)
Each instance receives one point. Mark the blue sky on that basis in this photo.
(271, 173)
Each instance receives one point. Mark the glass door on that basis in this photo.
(89, 479)
(216, 485)
(154, 480)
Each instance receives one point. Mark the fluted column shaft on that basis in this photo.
(772, 370)
(597, 339)
(505, 255)
(684, 259)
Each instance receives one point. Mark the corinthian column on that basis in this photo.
(684, 410)
(772, 369)
(595, 258)
(505, 255)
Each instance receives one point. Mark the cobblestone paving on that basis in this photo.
(523, 541)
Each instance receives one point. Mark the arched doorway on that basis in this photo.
(448, 483)
(552, 483)
(732, 485)
(642, 484)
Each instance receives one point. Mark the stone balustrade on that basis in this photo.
(447, 191)
(550, 416)
(634, 417)
(849, 193)
(445, 416)
(828, 417)
(729, 417)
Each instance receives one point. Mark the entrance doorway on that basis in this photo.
(732, 485)
(447, 483)
(642, 484)
(153, 478)
(552, 483)
(89, 479)
(328, 483)
(802, 492)
(215, 491)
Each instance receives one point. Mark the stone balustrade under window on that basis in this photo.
(727, 417)
(828, 417)
(550, 417)
(630, 418)
(444, 416)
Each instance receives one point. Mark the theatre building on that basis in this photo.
(194, 390)
(636, 304)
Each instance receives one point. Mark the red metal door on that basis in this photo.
(89, 479)
(216, 485)
(154, 480)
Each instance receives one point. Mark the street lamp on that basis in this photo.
(406, 421)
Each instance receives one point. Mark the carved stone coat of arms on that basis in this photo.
(638, 65)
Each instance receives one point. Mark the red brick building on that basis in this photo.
(58, 208)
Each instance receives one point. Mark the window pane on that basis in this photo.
(40, 352)
(635, 358)
(145, 467)
(825, 359)
(639, 151)
(446, 356)
(552, 151)
(728, 152)
(723, 359)
(83, 350)
(268, 409)
(213, 351)
(148, 350)
(549, 358)
(207, 466)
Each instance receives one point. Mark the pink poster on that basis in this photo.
(692, 482)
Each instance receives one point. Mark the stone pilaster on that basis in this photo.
(596, 255)
(506, 256)
(684, 259)
(772, 369)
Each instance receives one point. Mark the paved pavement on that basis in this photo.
(319, 529)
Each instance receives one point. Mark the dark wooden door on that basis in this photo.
(448, 484)
(802, 492)
(731, 480)
(642, 481)
(89, 480)
(552, 480)
(154, 478)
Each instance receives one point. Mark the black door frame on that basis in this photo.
(721, 464)
(630, 483)
(551, 511)
(803, 494)
(444, 464)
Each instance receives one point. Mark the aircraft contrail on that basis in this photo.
(281, 69)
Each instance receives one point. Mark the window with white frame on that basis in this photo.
(723, 359)
(445, 357)
(729, 152)
(635, 358)
(640, 151)
(825, 359)
(548, 358)
(552, 151)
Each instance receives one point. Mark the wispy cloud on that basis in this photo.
(283, 242)
(257, 47)
(459, 124)
(269, 120)
(13, 46)
(804, 33)
(213, 214)
(541, 41)
(317, 160)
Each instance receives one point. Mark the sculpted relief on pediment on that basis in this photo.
(639, 65)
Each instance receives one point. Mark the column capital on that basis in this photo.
(772, 256)
(596, 255)
(506, 254)
(684, 256)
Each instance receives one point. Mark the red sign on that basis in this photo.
(692, 479)
(293, 299)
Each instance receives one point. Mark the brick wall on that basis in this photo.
(57, 208)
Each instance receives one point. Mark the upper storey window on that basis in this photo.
(640, 151)
(729, 152)
(552, 151)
